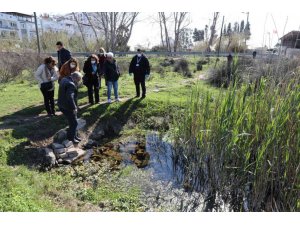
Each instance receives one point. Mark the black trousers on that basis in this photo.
(93, 90)
(48, 100)
(72, 120)
(138, 81)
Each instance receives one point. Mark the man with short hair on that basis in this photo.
(140, 67)
(67, 103)
(63, 55)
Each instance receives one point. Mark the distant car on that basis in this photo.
(273, 51)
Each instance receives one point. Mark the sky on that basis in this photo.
(266, 27)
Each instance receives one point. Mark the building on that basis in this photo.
(16, 26)
(290, 44)
(19, 26)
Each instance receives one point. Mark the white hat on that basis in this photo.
(110, 54)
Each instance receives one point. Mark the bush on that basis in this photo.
(13, 64)
(182, 66)
(167, 62)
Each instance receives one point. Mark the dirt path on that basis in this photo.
(12, 122)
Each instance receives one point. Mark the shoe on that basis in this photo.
(75, 141)
(143, 97)
(137, 96)
(109, 101)
(118, 100)
(77, 138)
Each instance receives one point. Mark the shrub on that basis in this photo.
(182, 66)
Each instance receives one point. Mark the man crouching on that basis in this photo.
(67, 103)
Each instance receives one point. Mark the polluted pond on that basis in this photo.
(153, 169)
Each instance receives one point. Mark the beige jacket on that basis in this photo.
(41, 75)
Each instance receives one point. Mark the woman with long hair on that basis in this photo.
(91, 78)
(71, 66)
(46, 74)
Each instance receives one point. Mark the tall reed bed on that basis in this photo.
(243, 146)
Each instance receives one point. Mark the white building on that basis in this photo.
(21, 26)
(16, 26)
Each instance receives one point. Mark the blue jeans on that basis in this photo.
(115, 86)
(72, 120)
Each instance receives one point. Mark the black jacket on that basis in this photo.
(63, 56)
(67, 94)
(111, 71)
(88, 72)
(143, 67)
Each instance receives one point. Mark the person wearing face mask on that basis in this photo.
(69, 67)
(63, 55)
(140, 68)
(91, 77)
(46, 74)
(112, 74)
(67, 103)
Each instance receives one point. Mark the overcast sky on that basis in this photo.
(147, 32)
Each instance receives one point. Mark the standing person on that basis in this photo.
(112, 74)
(63, 55)
(254, 54)
(91, 77)
(67, 103)
(102, 58)
(46, 74)
(71, 66)
(140, 67)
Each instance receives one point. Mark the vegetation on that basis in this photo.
(243, 145)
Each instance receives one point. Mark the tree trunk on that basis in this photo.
(81, 32)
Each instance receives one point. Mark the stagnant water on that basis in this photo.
(162, 181)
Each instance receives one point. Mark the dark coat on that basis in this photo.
(88, 72)
(111, 71)
(67, 94)
(63, 55)
(141, 70)
(102, 60)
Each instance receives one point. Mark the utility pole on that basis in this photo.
(37, 33)
(247, 26)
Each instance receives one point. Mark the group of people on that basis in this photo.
(97, 66)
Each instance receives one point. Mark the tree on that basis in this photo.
(224, 30)
(198, 35)
(242, 27)
(212, 30)
(236, 27)
(247, 31)
(179, 21)
(81, 31)
(117, 28)
(229, 30)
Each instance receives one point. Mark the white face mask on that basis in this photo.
(93, 61)
(139, 55)
(72, 66)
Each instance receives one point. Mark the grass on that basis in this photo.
(78, 188)
(243, 145)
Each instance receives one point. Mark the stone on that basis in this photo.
(63, 155)
(72, 154)
(101, 133)
(67, 143)
(50, 158)
(57, 146)
(59, 161)
(81, 124)
(59, 151)
(60, 136)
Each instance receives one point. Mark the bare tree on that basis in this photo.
(117, 28)
(212, 30)
(81, 32)
(179, 20)
(93, 28)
